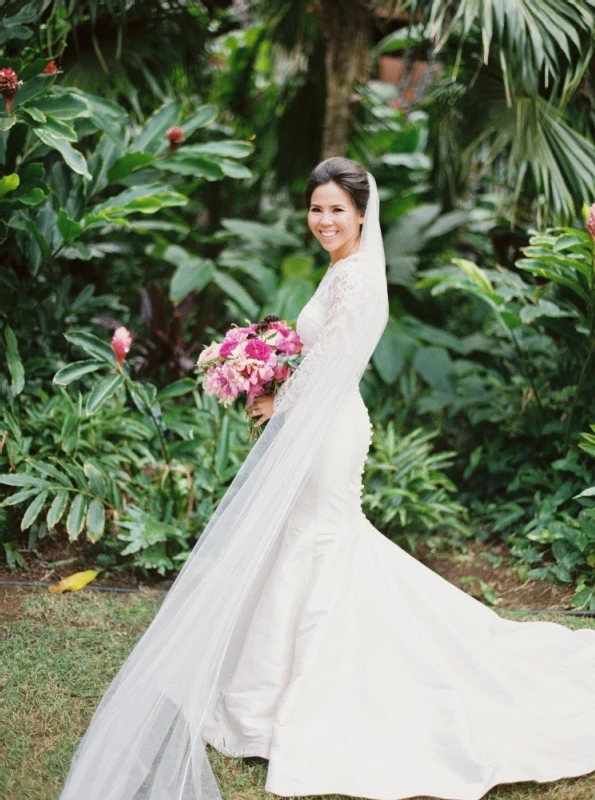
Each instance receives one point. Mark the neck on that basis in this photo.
(343, 252)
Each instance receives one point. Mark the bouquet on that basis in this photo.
(252, 360)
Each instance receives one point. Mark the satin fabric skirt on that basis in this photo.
(365, 673)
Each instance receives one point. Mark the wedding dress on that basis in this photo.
(297, 632)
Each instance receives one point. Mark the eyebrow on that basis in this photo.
(334, 205)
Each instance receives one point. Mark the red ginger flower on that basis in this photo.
(121, 343)
(51, 68)
(590, 223)
(176, 137)
(9, 85)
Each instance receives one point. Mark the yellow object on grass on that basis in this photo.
(74, 582)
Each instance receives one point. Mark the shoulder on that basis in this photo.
(351, 273)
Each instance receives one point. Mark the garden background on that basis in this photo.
(153, 157)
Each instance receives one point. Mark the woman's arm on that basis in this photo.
(349, 295)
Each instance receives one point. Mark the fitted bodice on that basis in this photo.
(310, 320)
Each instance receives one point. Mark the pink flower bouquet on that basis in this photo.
(253, 360)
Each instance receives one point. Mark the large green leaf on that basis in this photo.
(102, 391)
(257, 231)
(236, 292)
(191, 276)
(76, 516)
(33, 510)
(57, 508)
(156, 127)
(64, 104)
(129, 163)
(73, 372)
(92, 345)
(225, 148)
(95, 520)
(75, 160)
(183, 163)
(13, 359)
(146, 199)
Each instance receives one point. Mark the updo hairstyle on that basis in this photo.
(347, 174)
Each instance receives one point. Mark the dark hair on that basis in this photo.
(347, 174)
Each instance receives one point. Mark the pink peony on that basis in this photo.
(256, 348)
(121, 343)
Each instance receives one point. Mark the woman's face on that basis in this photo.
(334, 220)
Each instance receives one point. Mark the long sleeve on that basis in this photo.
(348, 299)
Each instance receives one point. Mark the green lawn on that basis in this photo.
(59, 656)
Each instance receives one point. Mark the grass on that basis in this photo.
(60, 655)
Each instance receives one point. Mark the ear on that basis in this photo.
(361, 219)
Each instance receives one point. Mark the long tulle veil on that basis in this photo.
(144, 740)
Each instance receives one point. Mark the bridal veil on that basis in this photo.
(144, 740)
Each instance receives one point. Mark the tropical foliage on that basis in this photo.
(153, 157)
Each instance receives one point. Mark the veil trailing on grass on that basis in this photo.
(144, 740)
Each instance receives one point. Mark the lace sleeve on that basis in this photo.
(348, 298)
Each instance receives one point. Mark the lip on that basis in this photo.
(328, 234)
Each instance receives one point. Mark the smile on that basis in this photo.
(328, 234)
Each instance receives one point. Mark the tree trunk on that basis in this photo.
(344, 26)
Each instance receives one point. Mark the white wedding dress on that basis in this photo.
(365, 673)
(297, 632)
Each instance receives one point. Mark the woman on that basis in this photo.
(297, 632)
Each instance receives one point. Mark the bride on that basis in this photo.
(297, 632)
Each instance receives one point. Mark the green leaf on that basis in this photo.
(92, 345)
(9, 183)
(146, 199)
(236, 292)
(260, 233)
(75, 160)
(192, 276)
(69, 228)
(63, 104)
(76, 516)
(6, 123)
(33, 510)
(19, 497)
(128, 164)
(13, 359)
(60, 129)
(50, 469)
(186, 164)
(202, 117)
(31, 89)
(34, 113)
(22, 479)
(156, 127)
(177, 389)
(95, 520)
(102, 391)
(226, 148)
(74, 371)
(57, 508)
(96, 480)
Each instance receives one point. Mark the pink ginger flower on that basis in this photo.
(51, 68)
(590, 223)
(121, 343)
(9, 86)
(175, 137)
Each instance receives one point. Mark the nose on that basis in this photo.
(326, 219)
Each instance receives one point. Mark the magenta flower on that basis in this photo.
(121, 343)
(256, 348)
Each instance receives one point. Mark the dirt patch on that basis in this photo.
(493, 564)
(55, 557)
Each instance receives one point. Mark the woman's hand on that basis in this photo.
(262, 407)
